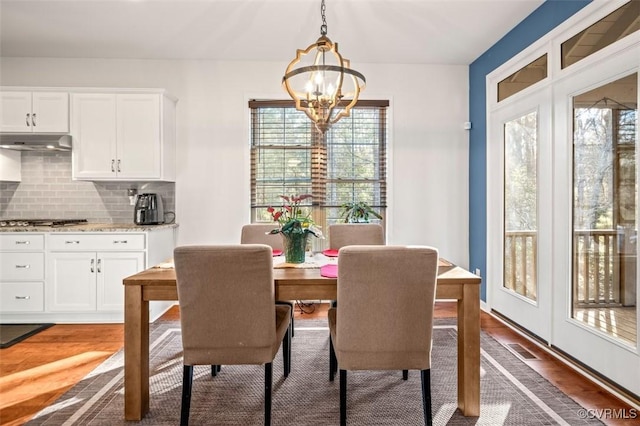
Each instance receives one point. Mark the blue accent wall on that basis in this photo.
(542, 20)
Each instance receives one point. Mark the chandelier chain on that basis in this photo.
(323, 27)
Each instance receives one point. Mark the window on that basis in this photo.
(289, 156)
(613, 27)
(526, 76)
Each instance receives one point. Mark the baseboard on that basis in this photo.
(611, 387)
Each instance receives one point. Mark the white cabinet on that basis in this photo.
(10, 165)
(123, 136)
(83, 277)
(22, 272)
(34, 112)
(90, 281)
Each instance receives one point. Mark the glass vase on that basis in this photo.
(295, 245)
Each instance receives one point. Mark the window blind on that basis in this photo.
(290, 156)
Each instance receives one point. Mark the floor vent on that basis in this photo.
(520, 351)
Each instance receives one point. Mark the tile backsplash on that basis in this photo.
(48, 192)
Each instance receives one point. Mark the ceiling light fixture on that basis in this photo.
(321, 82)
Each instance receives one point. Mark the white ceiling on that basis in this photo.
(372, 31)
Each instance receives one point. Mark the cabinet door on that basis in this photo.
(139, 143)
(111, 268)
(50, 112)
(72, 282)
(94, 135)
(15, 112)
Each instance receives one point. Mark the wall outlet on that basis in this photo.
(477, 272)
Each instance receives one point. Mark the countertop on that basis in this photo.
(90, 227)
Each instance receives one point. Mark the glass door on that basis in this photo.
(520, 187)
(596, 217)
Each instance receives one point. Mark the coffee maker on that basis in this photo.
(148, 210)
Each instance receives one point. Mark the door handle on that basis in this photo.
(23, 297)
(23, 266)
(99, 265)
(118, 166)
(119, 241)
(93, 261)
(26, 120)
(113, 162)
(23, 242)
(33, 119)
(72, 242)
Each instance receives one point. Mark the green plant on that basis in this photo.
(357, 211)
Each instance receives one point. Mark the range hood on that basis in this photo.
(35, 142)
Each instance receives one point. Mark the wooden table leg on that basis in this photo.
(469, 351)
(136, 354)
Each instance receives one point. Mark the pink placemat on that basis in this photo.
(329, 271)
(277, 252)
(330, 252)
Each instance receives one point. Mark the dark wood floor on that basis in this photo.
(35, 372)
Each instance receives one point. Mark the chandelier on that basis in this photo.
(321, 82)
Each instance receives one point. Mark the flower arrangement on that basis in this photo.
(292, 217)
(295, 225)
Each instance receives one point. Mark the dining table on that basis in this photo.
(294, 282)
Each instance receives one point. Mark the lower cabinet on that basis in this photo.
(90, 281)
(76, 276)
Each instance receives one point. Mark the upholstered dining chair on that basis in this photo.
(211, 282)
(259, 233)
(346, 234)
(384, 318)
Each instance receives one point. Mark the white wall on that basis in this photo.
(428, 168)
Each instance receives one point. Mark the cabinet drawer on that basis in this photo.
(22, 241)
(22, 266)
(21, 297)
(83, 242)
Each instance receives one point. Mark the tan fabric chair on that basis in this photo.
(258, 233)
(346, 234)
(212, 281)
(384, 317)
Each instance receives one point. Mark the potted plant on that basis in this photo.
(357, 212)
(294, 224)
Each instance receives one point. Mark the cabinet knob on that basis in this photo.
(23, 266)
(113, 162)
(23, 242)
(118, 166)
(33, 119)
(26, 120)
(23, 297)
(119, 241)
(93, 261)
(72, 242)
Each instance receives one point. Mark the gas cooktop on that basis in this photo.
(40, 222)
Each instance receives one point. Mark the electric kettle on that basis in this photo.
(148, 210)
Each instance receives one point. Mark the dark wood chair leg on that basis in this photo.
(343, 397)
(405, 374)
(187, 381)
(333, 362)
(286, 352)
(425, 376)
(268, 379)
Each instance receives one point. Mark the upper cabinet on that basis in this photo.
(34, 112)
(123, 136)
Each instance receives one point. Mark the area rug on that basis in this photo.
(10, 334)
(511, 392)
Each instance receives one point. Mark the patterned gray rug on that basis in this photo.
(511, 392)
